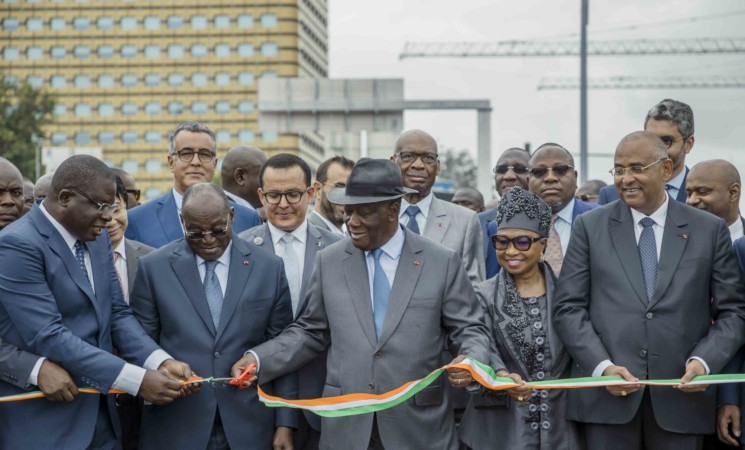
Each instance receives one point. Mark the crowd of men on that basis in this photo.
(357, 280)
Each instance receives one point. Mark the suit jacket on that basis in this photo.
(156, 223)
(48, 307)
(135, 250)
(316, 220)
(458, 229)
(170, 302)
(431, 301)
(490, 258)
(601, 312)
(609, 193)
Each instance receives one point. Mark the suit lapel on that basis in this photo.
(674, 240)
(624, 241)
(132, 257)
(682, 196)
(168, 217)
(313, 244)
(438, 221)
(238, 274)
(358, 285)
(184, 265)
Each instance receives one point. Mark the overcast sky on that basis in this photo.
(367, 37)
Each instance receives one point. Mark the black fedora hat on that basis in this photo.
(371, 181)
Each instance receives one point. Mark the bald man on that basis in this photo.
(11, 193)
(42, 186)
(469, 198)
(240, 175)
(714, 186)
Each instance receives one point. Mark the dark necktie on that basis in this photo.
(381, 292)
(412, 211)
(648, 255)
(213, 291)
(80, 258)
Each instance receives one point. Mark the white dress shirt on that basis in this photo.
(239, 200)
(179, 202)
(301, 238)
(563, 225)
(121, 268)
(421, 217)
(388, 260)
(222, 268)
(735, 230)
(130, 378)
(330, 224)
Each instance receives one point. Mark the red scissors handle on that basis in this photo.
(244, 377)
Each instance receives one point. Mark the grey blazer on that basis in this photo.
(316, 220)
(601, 312)
(431, 301)
(135, 250)
(311, 376)
(458, 229)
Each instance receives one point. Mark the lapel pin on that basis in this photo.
(245, 262)
(258, 240)
(417, 262)
(319, 244)
(684, 235)
(439, 224)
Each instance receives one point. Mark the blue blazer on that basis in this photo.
(47, 307)
(609, 193)
(579, 208)
(169, 300)
(492, 266)
(156, 223)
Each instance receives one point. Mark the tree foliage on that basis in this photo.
(459, 167)
(25, 112)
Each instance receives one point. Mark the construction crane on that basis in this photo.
(545, 48)
(647, 82)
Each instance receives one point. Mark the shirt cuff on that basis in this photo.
(33, 377)
(600, 368)
(256, 357)
(706, 366)
(129, 379)
(155, 359)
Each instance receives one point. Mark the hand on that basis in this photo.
(693, 369)
(620, 371)
(241, 365)
(520, 393)
(459, 378)
(55, 383)
(160, 387)
(728, 415)
(282, 438)
(183, 372)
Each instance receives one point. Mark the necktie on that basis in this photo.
(381, 292)
(213, 291)
(117, 255)
(648, 255)
(553, 255)
(80, 258)
(668, 187)
(412, 211)
(292, 269)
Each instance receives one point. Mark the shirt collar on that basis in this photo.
(677, 181)
(69, 238)
(300, 233)
(328, 223)
(423, 205)
(566, 212)
(736, 229)
(658, 216)
(179, 199)
(394, 246)
(120, 248)
(224, 259)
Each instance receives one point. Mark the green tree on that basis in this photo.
(25, 111)
(459, 167)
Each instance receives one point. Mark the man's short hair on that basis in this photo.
(205, 190)
(79, 171)
(285, 161)
(676, 112)
(323, 170)
(194, 127)
(554, 144)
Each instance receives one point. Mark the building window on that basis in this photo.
(81, 51)
(222, 21)
(105, 109)
(129, 137)
(81, 23)
(198, 50)
(198, 22)
(130, 166)
(34, 24)
(105, 81)
(175, 22)
(175, 108)
(245, 50)
(222, 79)
(128, 23)
(106, 138)
(10, 53)
(60, 110)
(175, 79)
(222, 50)
(82, 138)
(152, 23)
(129, 80)
(59, 138)
(129, 109)
(105, 23)
(105, 51)
(199, 107)
(128, 51)
(269, 74)
(199, 79)
(245, 78)
(152, 51)
(245, 107)
(153, 166)
(245, 136)
(57, 24)
(245, 21)
(34, 53)
(152, 108)
(35, 81)
(152, 137)
(10, 79)
(222, 136)
(82, 81)
(10, 24)
(269, 49)
(58, 81)
(222, 107)
(82, 110)
(269, 20)
(175, 51)
(152, 79)
(58, 52)
(270, 136)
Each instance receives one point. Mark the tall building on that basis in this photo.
(125, 72)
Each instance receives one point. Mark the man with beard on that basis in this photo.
(330, 174)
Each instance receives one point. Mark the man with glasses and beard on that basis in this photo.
(330, 174)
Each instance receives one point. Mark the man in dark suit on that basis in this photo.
(192, 157)
(553, 178)
(59, 298)
(208, 298)
(671, 121)
(649, 290)
(511, 170)
(383, 302)
(285, 192)
(330, 174)
(240, 175)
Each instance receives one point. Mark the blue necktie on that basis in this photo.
(648, 255)
(412, 211)
(213, 291)
(381, 292)
(80, 258)
(292, 269)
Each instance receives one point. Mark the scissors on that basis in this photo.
(236, 381)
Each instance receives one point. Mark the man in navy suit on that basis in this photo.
(60, 298)
(192, 157)
(672, 121)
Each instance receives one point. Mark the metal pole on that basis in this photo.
(583, 163)
(484, 177)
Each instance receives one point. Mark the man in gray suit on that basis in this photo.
(453, 226)
(285, 191)
(383, 303)
(650, 289)
(331, 173)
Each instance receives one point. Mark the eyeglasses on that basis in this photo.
(559, 171)
(103, 208)
(273, 198)
(188, 155)
(199, 235)
(521, 243)
(410, 157)
(503, 169)
(669, 140)
(635, 169)
(135, 193)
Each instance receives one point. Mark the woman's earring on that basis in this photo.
(542, 258)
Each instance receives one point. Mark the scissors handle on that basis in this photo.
(243, 377)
